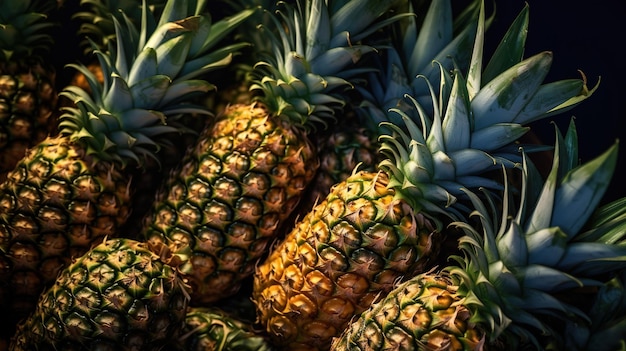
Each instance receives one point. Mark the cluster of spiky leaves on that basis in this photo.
(147, 79)
(414, 43)
(511, 272)
(605, 329)
(24, 31)
(505, 287)
(472, 122)
(237, 78)
(314, 48)
(120, 295)
(470, 119)
(97, 24)
(442, 38)
(605, 307)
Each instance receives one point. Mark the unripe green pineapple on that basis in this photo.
(119, 296)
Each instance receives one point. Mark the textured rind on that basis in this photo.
(226, 204)
(423, 313)
(118, 296)
(339, 259)
(54, 206)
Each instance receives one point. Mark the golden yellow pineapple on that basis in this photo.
(229, 199)
(378, 228)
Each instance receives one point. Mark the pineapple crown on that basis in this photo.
(149, 78)
(472, 123)
(607, 315)
(24, 29)
(415, 42)
(97, 19)
(511, 271)
(606, 325)
(315, 46)
(249, 29)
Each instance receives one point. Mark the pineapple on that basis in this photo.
(97, 27)
(376, 228)
(75, 188)
(234, 190)
(504, 292)
(211, 329)
(28, 94)
(120, 295)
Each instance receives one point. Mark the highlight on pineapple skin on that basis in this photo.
(341, 257)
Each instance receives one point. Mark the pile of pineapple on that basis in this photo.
(296, 175)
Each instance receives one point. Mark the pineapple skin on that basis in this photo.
(213, 329)
(347, 146)
(120, 295)
(227, 202)
(28, 101)
(423, 313)
(339, 259)
(54, 206)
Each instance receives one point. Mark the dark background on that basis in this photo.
(587, 36)
(583, 35)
